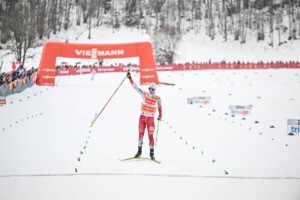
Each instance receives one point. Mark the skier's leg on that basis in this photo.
(142, 126)
(151, 129)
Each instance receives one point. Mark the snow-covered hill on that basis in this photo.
(200, 48)
(192, 47)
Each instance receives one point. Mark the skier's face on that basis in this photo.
(151, 90)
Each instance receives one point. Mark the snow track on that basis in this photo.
(153, 175)
(204, 152)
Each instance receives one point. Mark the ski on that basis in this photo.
(140, 159)
(156, 161)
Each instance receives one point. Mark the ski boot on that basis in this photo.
(152, 154)
(139, 153)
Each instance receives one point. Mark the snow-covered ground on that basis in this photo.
(45, 131)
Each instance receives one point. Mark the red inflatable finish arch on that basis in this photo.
(51, 50)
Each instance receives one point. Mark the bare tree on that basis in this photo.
(196, 7)
(271, 23)
(260, 22)
(230, 18)
(279, 20)
(115, 13)
(292, 19)
(181, 13)
(243, 19)
(224, 10)
(22, 24)
(53, 6)
(131, 13)
(85, 12)
(66, 14)
(91, 12)
(210, 18)
(78, 13)
(298, 17)
(4, 32)
(41, 18)
(165, 41)
(157, 6)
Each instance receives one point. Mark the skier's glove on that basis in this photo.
(128, 74)
(159, 117)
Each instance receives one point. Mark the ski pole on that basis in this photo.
(157, 133)
(94, 120)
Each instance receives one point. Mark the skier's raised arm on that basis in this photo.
(134, 85)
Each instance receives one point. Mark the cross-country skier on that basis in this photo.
(93, 74)
(148, 109)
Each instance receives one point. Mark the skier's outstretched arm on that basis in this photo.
(140, 91)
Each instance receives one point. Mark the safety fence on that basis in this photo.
(179, 67)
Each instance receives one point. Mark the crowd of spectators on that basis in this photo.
(20, 75)
(16, 77)
(236, 62)
(66, 66)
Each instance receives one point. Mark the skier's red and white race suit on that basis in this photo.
(149, 106)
